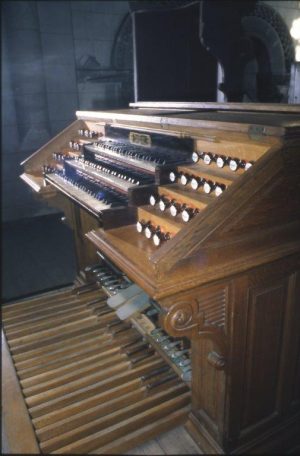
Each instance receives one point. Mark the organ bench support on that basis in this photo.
(226, 277)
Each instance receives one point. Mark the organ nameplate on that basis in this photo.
(140, 139)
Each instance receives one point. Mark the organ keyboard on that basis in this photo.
(189, 214)
(101, 173)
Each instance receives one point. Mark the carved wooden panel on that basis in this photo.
(264, 352)
(296, 388)
(202, 315)
(84, 222)
(264, 339)
(257, 390)
(199, 313)
(208, 389)
(213, 306)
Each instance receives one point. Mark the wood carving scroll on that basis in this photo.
(186, 319)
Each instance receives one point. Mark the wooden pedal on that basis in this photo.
(89, 383)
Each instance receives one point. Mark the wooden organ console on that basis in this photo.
(186, 307)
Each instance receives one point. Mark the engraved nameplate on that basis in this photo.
(140, 139)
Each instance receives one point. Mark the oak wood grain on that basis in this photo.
(228, 280)
(105, 422)
(15, 417)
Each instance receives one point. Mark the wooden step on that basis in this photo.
(222, 175)
(163, 219)
(186, 195)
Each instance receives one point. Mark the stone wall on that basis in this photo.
(56, 59)
(288, 10)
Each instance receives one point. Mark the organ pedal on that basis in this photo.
(93, 376)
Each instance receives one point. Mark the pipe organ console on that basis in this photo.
(186, 307)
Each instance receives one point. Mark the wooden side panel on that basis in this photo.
(276, 203)
(252, 403)
(84, 222)
(291, 356)
(203, 315)
(209, 383)
(264, 334)
(263, 392)
(44, 155)
(295, 390)
(266, 203)
(208, 390)
(80, 222)
(60, 201)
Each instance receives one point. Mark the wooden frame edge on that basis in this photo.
(17, 428)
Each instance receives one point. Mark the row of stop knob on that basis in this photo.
(86, 133)
(221, 160)
(152, 232)
(174, 207)
(75, 145)
(196, 182)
